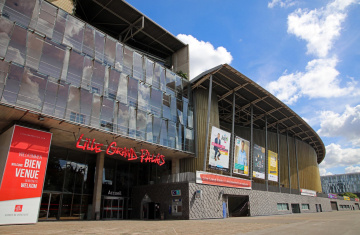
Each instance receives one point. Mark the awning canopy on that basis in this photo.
(122, 21)
(227, 80)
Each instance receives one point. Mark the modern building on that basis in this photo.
(341, 183)
(96, 123)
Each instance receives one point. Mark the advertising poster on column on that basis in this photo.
(272, 166)
(219, 149)
(23, 176)
(241, 156)
(259, 162)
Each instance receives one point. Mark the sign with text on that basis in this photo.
(307, 192)
(331, 195)
(272, 166)
(356, 199)
(221, 180)
(24, 174)
(259, 162)
(346, 198)
(219, 149)
(176, 192)
(241, 156)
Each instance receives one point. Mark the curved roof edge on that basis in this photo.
(227, 80)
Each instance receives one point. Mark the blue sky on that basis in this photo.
(307, 53)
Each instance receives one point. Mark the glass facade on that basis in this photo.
(341, 183)
(60, 66)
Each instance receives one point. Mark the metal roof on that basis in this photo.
(121, 20)
(227, 80)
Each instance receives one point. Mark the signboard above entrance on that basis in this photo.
(128, 153)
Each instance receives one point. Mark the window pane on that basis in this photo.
(166, 113)
(86, 99)
(119, 56)
(4, 69)
(17, 46)
(32, 89)
(106, 81)
(149, 135)
(113, 83)
(50, 98)
(19, 11)
(132, 122)
(180, 134)
(87, 73)
(59, 28)
(107, 114)
(185, 111)
(97, 81)
(156, 101)
(156, 129)
(133, 91)
(140, 125)
(156, 78)
(110, 50)
(164, 133)
(179, 107)
(46, 21)
(138, 67)
(128, 61)
(73, 105)
(178, 86)
(99, 46)
(144, 97)
(173, 109)
(122, 92)
(35, 14)
(74, 33)
(123, 119)
(170, 82)
(75, 68)
(62, 96)
(189, 140)
(89, 41)
(191, 118)
(162, 79)
(95, 111)
(12, 84)
(34, 49)
(149, 71)
(172, 135)
(65, 64)
(52, 59)
(6, 28)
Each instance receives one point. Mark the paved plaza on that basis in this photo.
(345, 222)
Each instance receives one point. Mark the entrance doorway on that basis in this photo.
(334, 206)
(238, 206)
(112, 208)
(295, 208)
(49, 207)
(357, 206)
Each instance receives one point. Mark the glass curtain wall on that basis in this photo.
(60, 66)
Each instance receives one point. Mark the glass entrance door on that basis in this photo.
(112, 208)
(49, 208)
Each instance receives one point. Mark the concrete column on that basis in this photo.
(207, 123)
(98, 184)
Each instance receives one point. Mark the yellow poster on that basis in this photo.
(272, 166)
(346, 198)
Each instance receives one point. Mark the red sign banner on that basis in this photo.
(24, 174)
(221, 180)
(129, 153)
(356, 199)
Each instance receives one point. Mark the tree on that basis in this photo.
(348, 194)
(182, 74)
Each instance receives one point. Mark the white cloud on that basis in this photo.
(320, 80)
(203, 55)
(324, 172)
(346, 124)
(283, 4)
(352, 169)
(319, 27)
(337, 156)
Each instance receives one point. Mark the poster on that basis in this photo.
(272, 166)
(219, 149)
(23, 176)
(241, 156)
(259, 162)
(307, 192)
(222, 180)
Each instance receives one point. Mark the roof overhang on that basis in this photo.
(122, 21)
(227, 80)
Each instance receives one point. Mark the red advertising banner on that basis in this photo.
(221, 180)
(24, 172)
(356, 199)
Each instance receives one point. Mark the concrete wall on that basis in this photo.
(261, 202)
(181, 60)
(344, 202)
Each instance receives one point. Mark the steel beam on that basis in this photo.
(297, 165)
(266, 156)
(232, 136)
